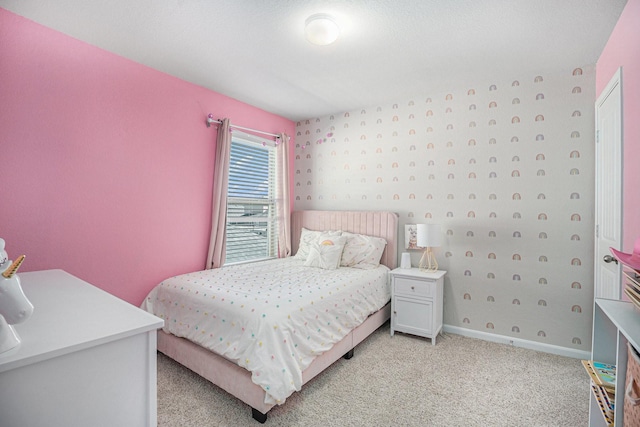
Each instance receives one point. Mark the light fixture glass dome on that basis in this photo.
(320, 29)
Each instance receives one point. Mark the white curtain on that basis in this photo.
(283, 199)
(217, 242)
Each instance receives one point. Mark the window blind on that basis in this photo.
(252, 232)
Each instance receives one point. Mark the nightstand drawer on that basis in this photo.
(413, 287)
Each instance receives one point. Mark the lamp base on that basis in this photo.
(428, 262)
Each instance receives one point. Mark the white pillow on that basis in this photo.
(307, 237)
(362, 251)
(326, 252)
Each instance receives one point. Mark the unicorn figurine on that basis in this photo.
(14, 305)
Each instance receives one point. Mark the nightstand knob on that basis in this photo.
(413, 288)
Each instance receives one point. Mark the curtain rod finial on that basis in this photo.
(210, 120)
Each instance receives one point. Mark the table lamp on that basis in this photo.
(428, 236)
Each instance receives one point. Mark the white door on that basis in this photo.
(608, 212)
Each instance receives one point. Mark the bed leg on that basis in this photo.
(258, 416)
(348, 355)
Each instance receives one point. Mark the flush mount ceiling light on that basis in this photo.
(320, 29)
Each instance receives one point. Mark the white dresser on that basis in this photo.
(416, 302)
(87, 358)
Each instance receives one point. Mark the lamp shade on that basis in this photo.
(429, 235)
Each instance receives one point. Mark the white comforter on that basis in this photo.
(272, 317)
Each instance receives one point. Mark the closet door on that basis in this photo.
(608, 210)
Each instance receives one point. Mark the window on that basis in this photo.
(252, 231)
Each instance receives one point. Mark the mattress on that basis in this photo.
(273, 317)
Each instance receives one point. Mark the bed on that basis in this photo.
(252, 370)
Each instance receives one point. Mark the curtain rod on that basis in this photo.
(210, 120)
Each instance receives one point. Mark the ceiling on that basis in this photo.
(388, 50)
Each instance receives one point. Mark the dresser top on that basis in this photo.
(71, 315)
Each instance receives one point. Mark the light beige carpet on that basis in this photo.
(402, 381)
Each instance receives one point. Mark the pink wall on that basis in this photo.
(105, 165)
(623, 50)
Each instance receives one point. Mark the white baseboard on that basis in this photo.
(517, 342)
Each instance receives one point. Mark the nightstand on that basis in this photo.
(416, 302)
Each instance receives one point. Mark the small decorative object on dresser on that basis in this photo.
(416, 302)
(15, 307)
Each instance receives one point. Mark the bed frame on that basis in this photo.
(236, 380)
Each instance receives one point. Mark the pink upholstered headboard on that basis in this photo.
(372, 223)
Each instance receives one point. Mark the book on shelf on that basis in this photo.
(632, 286)
(602, 374)
(605, 408)
(634, 297)
(606, 374)
(633, 280)
(631, 273)
(608, 398)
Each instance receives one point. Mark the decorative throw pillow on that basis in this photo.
(307, 237)
(326, 252)
(362, 251)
